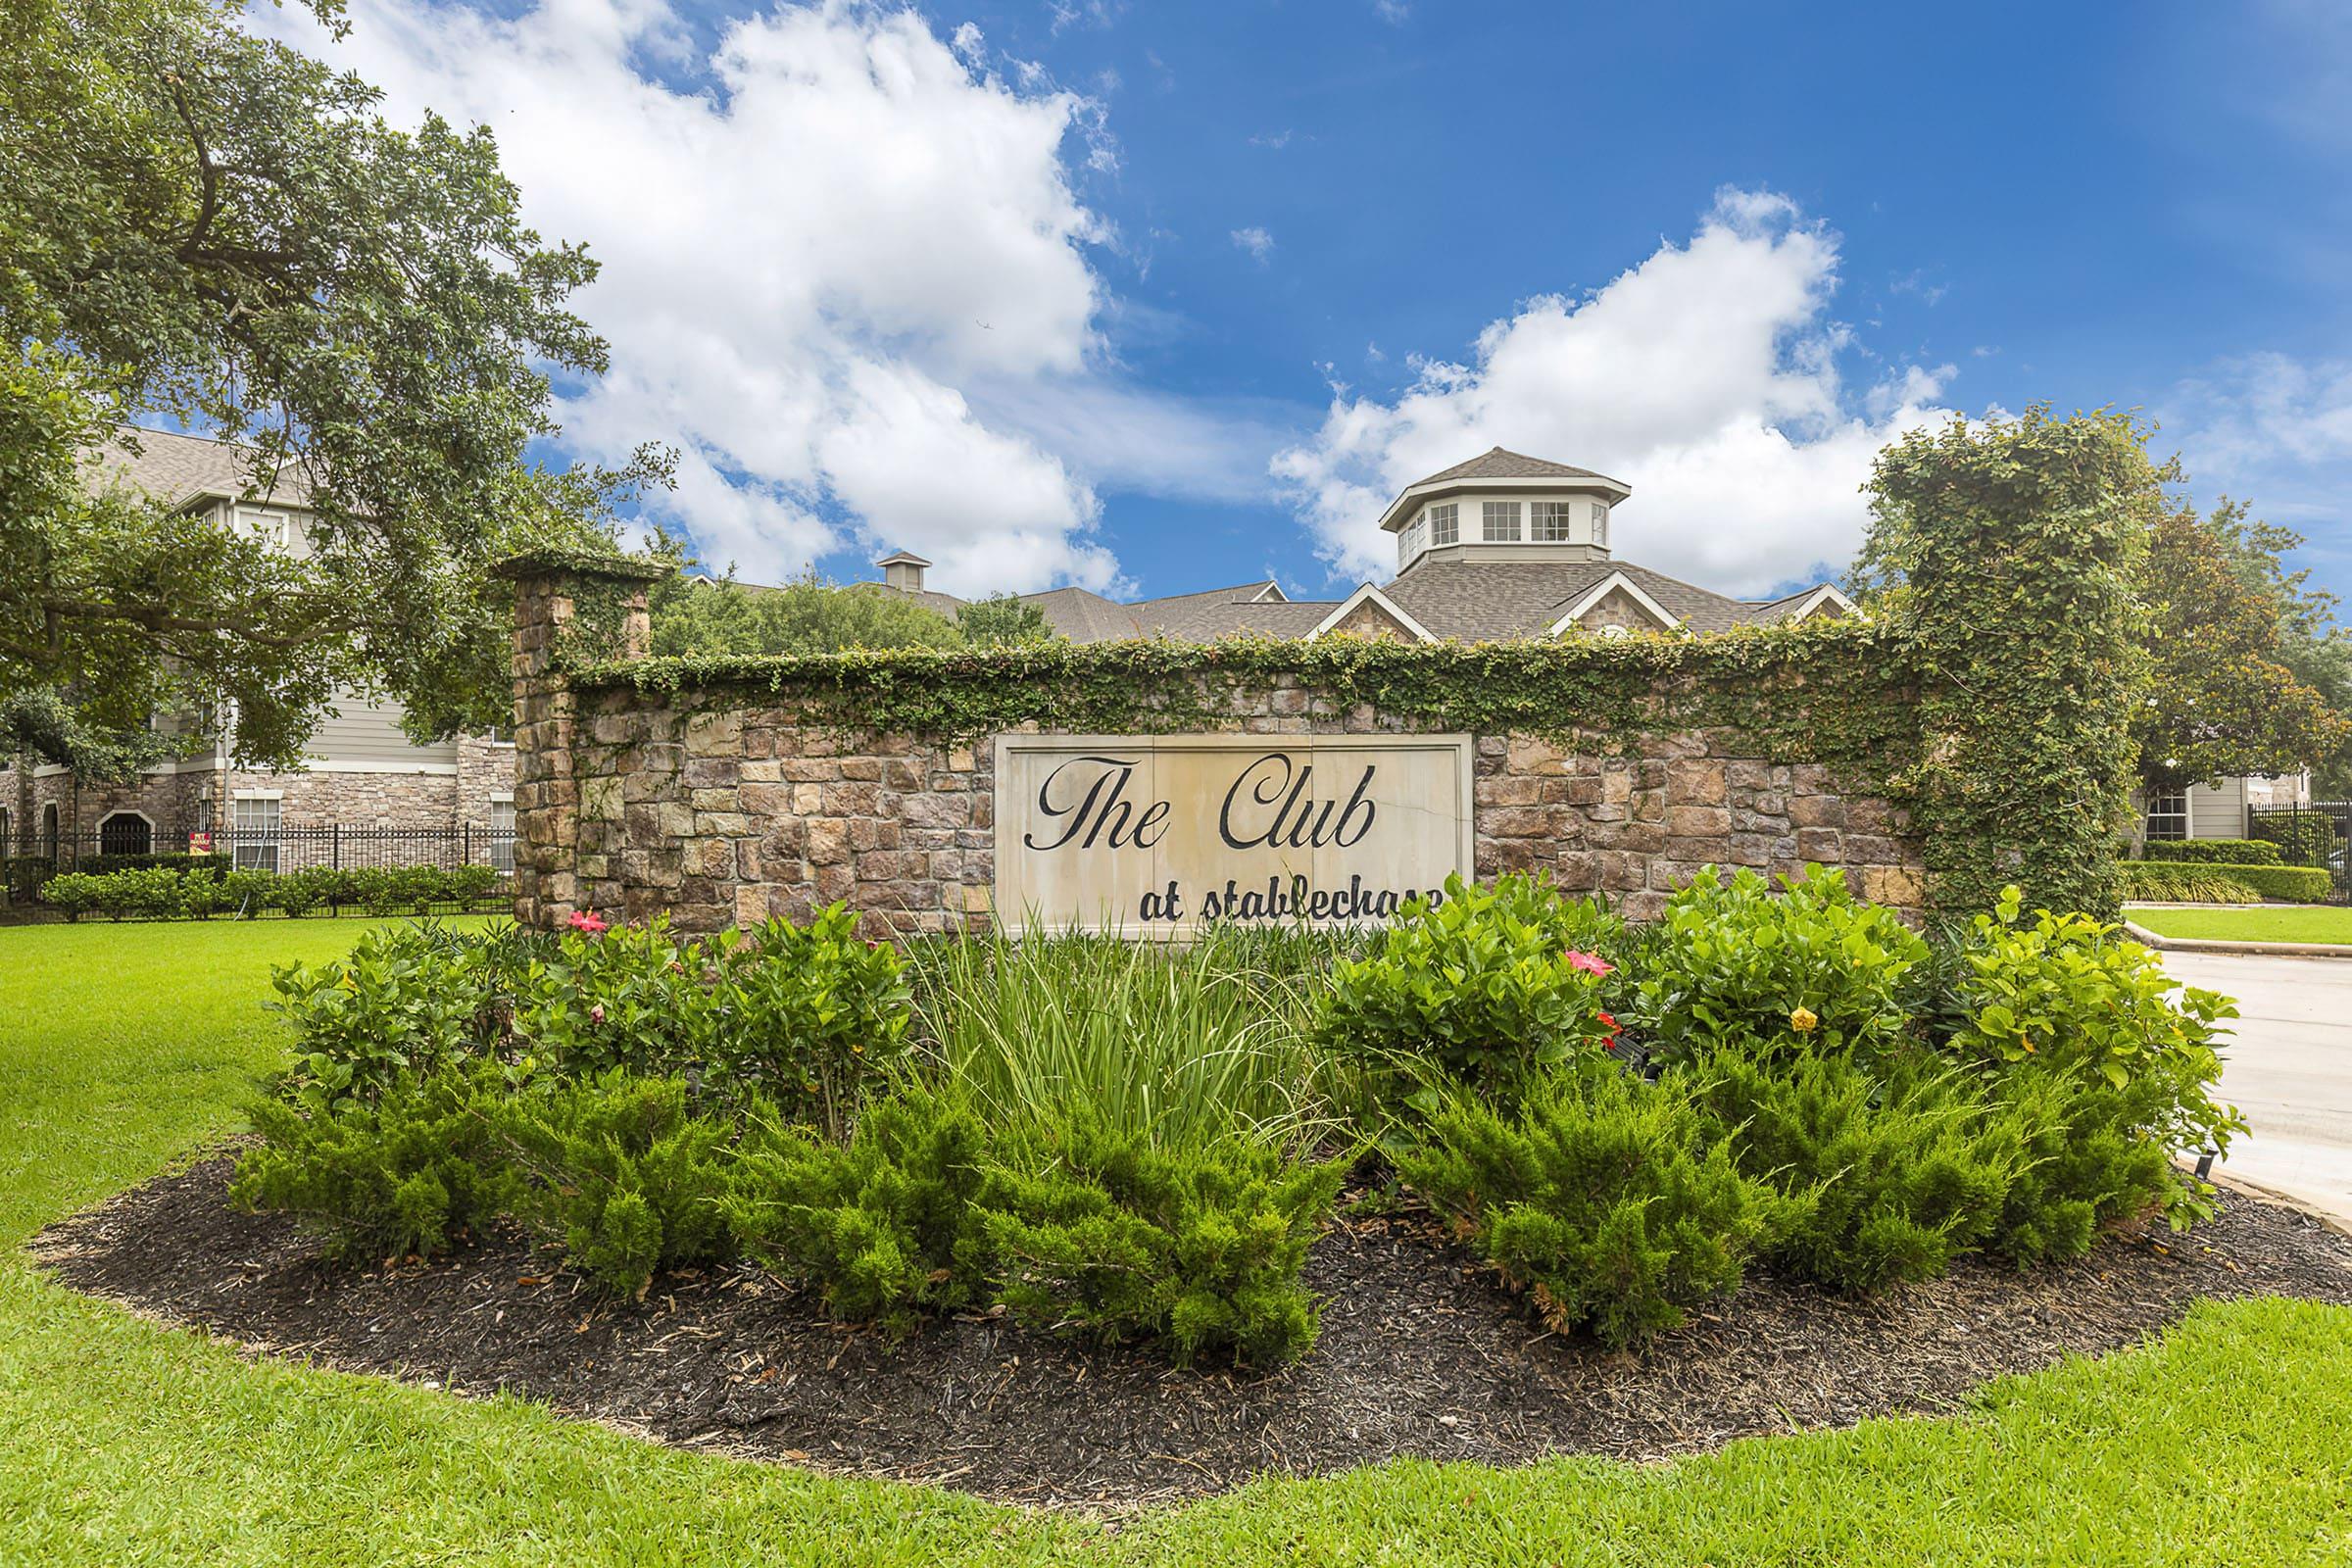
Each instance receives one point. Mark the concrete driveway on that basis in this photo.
(2289, 1069)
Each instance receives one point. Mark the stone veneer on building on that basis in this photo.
(722, 808)
(198, 799)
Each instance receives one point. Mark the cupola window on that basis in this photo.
(1444, 524)
(1547, 521)
(1501, 522)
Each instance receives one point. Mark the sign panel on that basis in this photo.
(1160, 835)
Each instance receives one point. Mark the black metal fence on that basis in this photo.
(281, 848)
(2314, 833)
(27, 860)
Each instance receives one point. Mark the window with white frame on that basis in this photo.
(1600, 524)
(255, 821)
(1416, 535)
(502, 834)
(1500, 520)
(1444, 524)
(2168, 816)
(1547, 521)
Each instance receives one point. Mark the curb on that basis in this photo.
(2274, 949)
(2327, 1218)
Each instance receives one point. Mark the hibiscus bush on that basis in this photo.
(1486, 985)
(1809, 964)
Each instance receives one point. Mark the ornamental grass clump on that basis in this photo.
(1606, 1197)
(1810, 965)
(1185, 1046)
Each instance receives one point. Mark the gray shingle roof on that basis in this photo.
(1086, 617)
(176, 469)
(1472, 601)
(1765, 610)
(1497, 463)
(1489, 600)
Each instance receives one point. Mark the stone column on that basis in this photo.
(569, 610)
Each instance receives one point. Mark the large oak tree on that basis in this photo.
(2249, 669)
(203, 227)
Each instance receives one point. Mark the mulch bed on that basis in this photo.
(1421, 1353)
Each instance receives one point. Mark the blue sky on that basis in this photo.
(1155, 298)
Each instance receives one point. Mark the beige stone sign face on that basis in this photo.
(1161, 835)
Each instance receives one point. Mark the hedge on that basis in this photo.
(2294, 884)
(2212, 852)
(160, 892)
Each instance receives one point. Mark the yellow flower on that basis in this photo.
(1802, 1020)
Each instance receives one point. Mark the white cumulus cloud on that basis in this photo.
(1706, 378)
(817, 241)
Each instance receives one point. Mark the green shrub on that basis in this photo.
(153, 893)
(1812, 966)
(1487, 984)
(201, 895)
(2207, 851)
(620, 1173)
(76, 893)
(404, 1175)
(816, 1016)
(1200, 1249)
(2304, 838)
(404, 999)
(293, 893)
(2069, 997)
(1185, 1044)
(886, 1226)
(2291, 883)
(2087, 1162)
(1603, 1195)
(1895, 1175)
(2179, 882)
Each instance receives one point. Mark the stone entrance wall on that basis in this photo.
(721, 807)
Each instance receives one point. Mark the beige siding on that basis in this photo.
(2218, 810)
(365, 733)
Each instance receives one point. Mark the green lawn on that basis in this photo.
(123, 1443)
(2283, 922)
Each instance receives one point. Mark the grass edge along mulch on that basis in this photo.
(1423, 1356)
(127, 1443)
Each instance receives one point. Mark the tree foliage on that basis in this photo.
(2227, 628)
(717, 615)
(209, 229)
(1004, 621)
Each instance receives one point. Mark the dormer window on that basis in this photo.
(1501, 521)
(1547, 521)
(1444, 524)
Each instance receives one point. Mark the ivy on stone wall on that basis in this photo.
(2003, 554)
(1834, 692)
